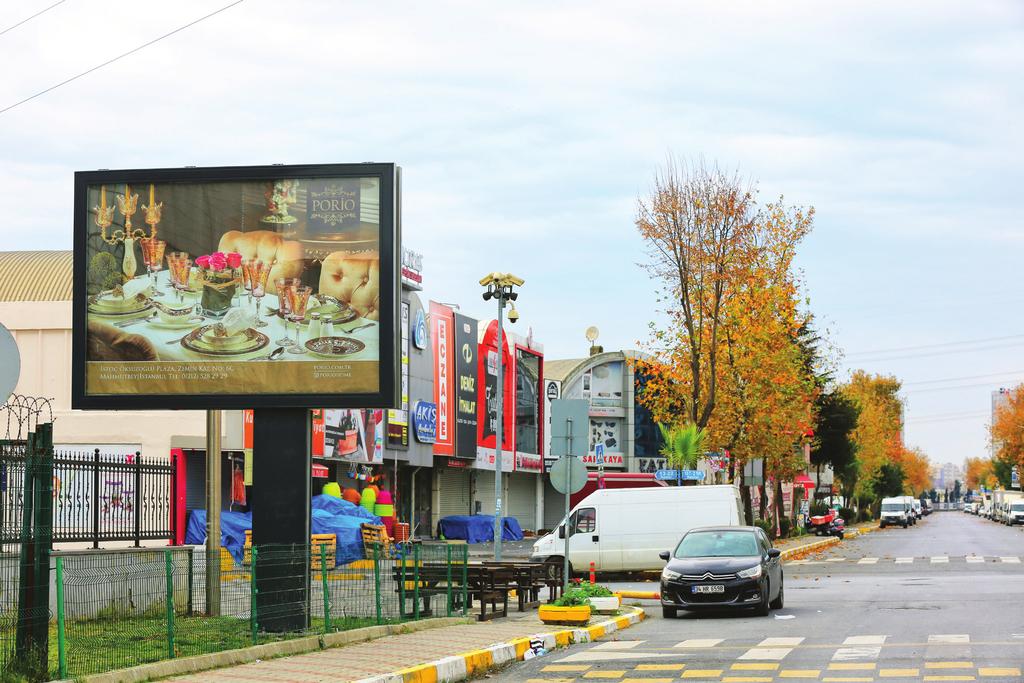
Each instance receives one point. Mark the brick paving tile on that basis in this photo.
(379, 656)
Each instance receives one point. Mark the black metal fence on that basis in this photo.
(97, 497)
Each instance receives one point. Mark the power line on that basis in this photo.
(42, 11)
(901, 349)
(121, 56)
(965, 377)
(958, 386)
(994, 347)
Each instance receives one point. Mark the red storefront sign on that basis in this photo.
(442, 321)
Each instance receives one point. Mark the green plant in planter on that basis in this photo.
(573, 598)
(594, 590)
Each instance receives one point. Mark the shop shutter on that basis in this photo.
(522, 499)
(554, 505)
(454, 491)
(484, 491)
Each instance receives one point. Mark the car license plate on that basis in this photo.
(714, 588)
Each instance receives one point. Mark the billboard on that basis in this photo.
(442, 320)
(465, 389)
(487, 400)
(241, 287)
(398, 420)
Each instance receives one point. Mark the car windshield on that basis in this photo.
(717, 544)
(892, 507)
(1017, 507)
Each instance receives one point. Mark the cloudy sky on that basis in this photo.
(527, 131)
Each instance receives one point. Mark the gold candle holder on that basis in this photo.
(152, 211)
(127, 205)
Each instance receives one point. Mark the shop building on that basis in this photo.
(466, 392)
(630, 439)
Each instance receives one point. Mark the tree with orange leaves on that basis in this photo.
(917, 469)
(728, 360)
(697, 227)
(878, 431)
(978, 473)
(1007, 434)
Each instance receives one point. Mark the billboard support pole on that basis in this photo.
(282, 496)
(498, 526)
(213, 504)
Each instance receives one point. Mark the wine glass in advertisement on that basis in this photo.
(259, 274)
(180, 267)
(298, 299)
(282, 285)
(153, 257)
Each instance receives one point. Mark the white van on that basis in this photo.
(627, 529)
(895, 512)
(911, 512)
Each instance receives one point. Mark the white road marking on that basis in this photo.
(974, 559)
(1012, 560)
(617, 645)
(867, 560)
(865, 640)
(796, 561)
(904, 560)
(699, 642)
(836, 559)
(847, 653)
(773, 654)
(781, 642)
(940, 559)
(949, 638)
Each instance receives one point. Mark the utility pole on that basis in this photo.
(499, 286)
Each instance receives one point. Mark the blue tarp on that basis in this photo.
(330, 516)
(478, 528)
(233, 526)
(339, 517)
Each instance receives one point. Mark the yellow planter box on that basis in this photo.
(576, 615)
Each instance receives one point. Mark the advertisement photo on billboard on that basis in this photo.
(237, 287)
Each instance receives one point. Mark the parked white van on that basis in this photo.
(627, 529)
(895, 512)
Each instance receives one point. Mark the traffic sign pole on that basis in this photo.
(568, 529)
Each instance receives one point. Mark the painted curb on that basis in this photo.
(475, 662)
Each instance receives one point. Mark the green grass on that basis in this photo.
(105, 644)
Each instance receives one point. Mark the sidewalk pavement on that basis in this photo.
(463, 650)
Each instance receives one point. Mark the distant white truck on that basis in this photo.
(1016, 515)
(1002, 502)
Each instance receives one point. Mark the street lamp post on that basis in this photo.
(499, 286)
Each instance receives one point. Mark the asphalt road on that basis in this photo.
(940, 601)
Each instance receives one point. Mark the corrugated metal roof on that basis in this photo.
(559, 369)
(35, 276)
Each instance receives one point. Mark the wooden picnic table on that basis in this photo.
(530, 578)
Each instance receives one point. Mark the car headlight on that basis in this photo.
(752, 573)
(670, 575)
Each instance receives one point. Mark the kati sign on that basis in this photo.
(164, 260)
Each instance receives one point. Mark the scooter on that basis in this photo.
(830, 524)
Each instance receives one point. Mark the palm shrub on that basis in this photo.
(684, 445)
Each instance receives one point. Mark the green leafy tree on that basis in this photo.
(833, 443)
(888, 481)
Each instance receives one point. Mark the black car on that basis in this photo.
(722, 567)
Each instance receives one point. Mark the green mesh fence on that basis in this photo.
(117, 609)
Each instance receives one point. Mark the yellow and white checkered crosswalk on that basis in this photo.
(863, 658)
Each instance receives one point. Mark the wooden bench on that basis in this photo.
(529, 579)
